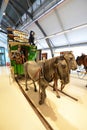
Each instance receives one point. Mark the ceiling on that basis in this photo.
(63, 25)
(57, 23)
(11, 12)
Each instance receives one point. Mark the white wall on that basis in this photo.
(77, 51)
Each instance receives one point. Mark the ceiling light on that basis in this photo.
(4, 13)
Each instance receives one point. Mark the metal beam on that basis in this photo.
(3, 7)
(3, 31)
(66, 46)
(1, 3)
(10, 19)
(5, 23)
(15, 9)
(62, 27)
(47, 40)
(22, 7)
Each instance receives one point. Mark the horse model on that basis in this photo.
(82, 60)
(51, 70)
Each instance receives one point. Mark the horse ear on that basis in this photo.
(77, 58)
(61, 54)
(68, 51)
(83, 54)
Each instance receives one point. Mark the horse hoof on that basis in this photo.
(35, 90)
(54, 89)
(40, 102)
(58, 96)
(26, 89)
(45, 96)
(62, 88)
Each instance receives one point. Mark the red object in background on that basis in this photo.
(8, 64)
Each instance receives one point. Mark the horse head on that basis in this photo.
(81, 60)
(70, 58)
(78, 60)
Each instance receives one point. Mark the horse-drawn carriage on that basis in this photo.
(20, 50)
(42, 72)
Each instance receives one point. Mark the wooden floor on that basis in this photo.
(63, 114)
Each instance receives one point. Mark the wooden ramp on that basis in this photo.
(63, 113)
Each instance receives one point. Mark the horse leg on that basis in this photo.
(35, 88)
(62, 85)
(55, 87)
(42, 91)
(26, 83)
(42, 96)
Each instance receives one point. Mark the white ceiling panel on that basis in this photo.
(41, 44)
(59, 40)
(50, 23)
(38, 35)
(73, 13)
(61, 23)
(34, 28)
(77, 36)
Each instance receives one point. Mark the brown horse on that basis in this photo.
(82, 60)
(51, 70)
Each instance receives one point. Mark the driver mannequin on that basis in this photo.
(31, 38)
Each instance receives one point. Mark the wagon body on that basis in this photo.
(15, 39)
(31, 55)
